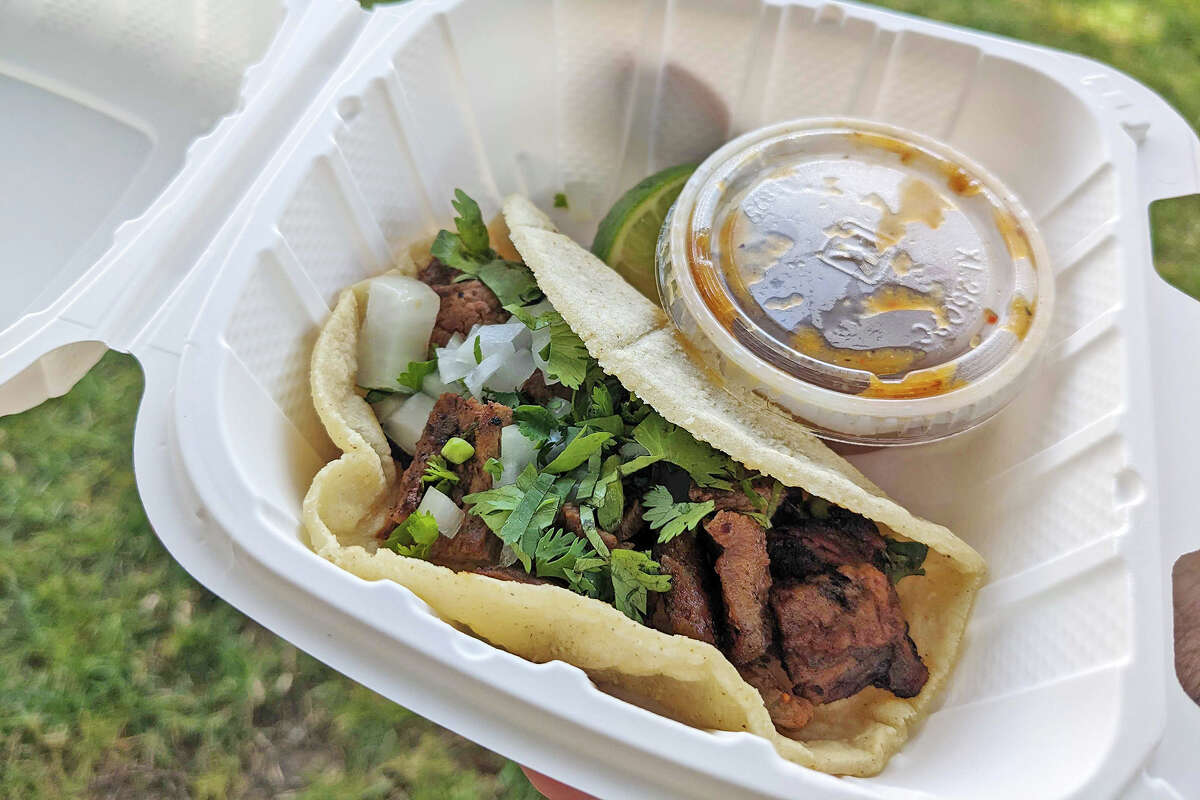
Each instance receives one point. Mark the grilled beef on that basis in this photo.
(731, 499)
(686, 609)
(813, 546)
(743, 571)
(479, 423)
(844, 630)
(464, 304)
(788, 710)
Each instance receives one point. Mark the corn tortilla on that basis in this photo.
(687, 680)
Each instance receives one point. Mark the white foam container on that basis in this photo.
(222, 252)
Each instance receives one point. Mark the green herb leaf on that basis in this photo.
(561, 554)
(670, 518)
(467, 251)
(493, 467)
(602, 402)
(438, 473)
(375, 395)
(535, 423)
(635, 573)
(414, 376)
(472, 230)
(519, 512)
(609, 495)
(587, 521)
(566, 356)
(478, 349)
(666, 442)
(560, 200)
(903, 559)
(510, 399)
(578, 450)
(587, 484)
(414, 536)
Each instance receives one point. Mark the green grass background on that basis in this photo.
(120, 676)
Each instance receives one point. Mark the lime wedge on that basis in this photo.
(628, 234)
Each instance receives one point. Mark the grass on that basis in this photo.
(121, 677)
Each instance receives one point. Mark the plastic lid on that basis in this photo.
(824, 261)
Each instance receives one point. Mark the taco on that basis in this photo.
(529, 449)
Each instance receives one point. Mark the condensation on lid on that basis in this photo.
(863, 263)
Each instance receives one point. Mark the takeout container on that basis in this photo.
(346, 142)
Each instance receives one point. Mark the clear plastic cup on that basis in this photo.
(869, 281)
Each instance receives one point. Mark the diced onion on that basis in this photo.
(434, 386)
(516, 453)
(508, 556)
(476, 379)
(540, 339)
(448, 515)
(514, 334)
(513, 371)
(396, 327)
(405, 424)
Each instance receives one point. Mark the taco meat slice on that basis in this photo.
(464, 303)
(842, 631)
(687, 609)
(744, 572)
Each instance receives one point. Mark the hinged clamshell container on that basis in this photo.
(216, 208)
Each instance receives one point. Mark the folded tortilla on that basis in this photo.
(687, 680)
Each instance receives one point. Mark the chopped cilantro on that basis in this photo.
(375, 395)
(609, 495)
(493, 467)
(634, 574)
(602, 402)
(578, 450)
(670, 518)
(666, 442)
(563, 555)
(566, 356)
(903, 559)
(535, 423)
(414, 376)
(478, 350)
(439, 474)
(587, 521)
(415, 536)
(467, 250)
(519, 512)
(560, 200)
(510, 399)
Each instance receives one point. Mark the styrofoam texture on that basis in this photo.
(148, 175)
(1076, 493)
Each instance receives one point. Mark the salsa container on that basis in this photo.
(211, 250)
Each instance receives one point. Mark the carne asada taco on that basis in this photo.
(529, 449)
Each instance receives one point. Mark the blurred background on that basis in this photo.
(121, 677)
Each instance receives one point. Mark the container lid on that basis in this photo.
(840, 261)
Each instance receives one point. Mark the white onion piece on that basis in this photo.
(508, 556)
(540, 339)
(513, 371)
(455, 341)
(405, 424)
(516, 453)
(448, 515)
(434, 386)
(495, 338)
(387, 406)
(479, 376)
(395, 330)
(455, 362)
